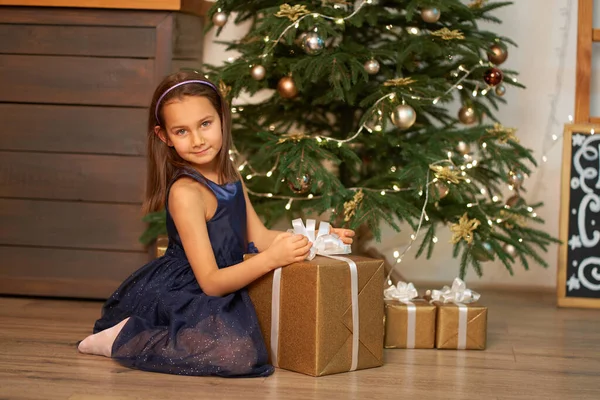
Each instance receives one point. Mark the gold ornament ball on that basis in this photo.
(258, 72)
(497, 54)
(300, 184)
(515, 201)
(287, 88)
(467, 115)
(510, 250)
(516, 179)
(219, 18)
(500, 90)
(441, 190)
(463, 148)
(372, 67)
(404, 116)
(431, 14)
(487, 254)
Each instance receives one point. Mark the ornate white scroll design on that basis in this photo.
(588, 180)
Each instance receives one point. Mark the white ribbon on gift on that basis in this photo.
(459, 295)
(324, 244)
(405, 292)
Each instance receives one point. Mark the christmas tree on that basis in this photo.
(352, 121)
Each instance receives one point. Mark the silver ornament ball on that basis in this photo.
(500, 90)
(300, 184)
(313, 44)
(372, 67)
(404, 116)
(258, 72)
(510, 250)
(487, 254)
(431, 14)
(516, 179)
(463, 148)
(219, 18)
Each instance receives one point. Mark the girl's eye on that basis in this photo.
(206, 123)
(180, 131)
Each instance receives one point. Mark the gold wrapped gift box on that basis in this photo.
(449, 333)
(398, 329)
(315, 318)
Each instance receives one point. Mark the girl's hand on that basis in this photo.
(345, 234)
(288, 248)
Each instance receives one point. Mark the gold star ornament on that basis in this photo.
(447, 34)
(445, 173)
(464, 229)
(293, 13)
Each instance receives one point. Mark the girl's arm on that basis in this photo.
(263, 237)
(188, 208)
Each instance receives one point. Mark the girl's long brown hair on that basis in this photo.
(162, 160)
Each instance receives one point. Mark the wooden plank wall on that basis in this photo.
(74, 89)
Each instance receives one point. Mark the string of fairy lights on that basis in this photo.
(470, 162)
(315, 15)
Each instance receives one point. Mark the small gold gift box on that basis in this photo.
(409, 325)
(461, 321)
(461, 326)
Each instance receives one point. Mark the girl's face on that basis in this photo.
(193, 128)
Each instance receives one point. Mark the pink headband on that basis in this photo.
(207, 83)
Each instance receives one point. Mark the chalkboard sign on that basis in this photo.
(579, 255)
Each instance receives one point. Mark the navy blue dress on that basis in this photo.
(173, 326)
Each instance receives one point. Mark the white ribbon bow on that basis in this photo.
(324, 243)
(402, 292)
(458, 293)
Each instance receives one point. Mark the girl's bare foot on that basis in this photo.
(101, 343)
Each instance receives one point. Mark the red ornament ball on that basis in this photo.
(493, 76)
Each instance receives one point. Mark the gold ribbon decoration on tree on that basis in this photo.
(464, 229)
(293, 13)
(351, 205)
(511, 219)
(444, 173)
(399, 82)
(503, 134)
(477, 3)
(224, 89)
(447, 34)
(296, 137)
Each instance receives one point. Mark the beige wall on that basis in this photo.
(545, 59)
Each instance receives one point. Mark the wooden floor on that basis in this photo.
(535, 351)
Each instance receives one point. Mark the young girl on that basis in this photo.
(188, 312)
